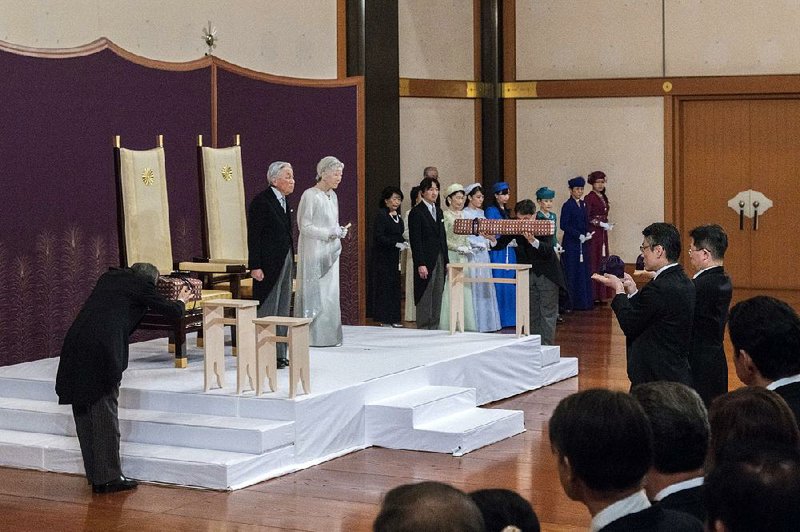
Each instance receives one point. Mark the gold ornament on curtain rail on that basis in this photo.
(227, 173)
(210, 37)
(148, 177)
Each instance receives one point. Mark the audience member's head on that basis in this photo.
(680, 426)
(750, 414)
(505, 510)
(765, 333)
(428, 507)
(754, 488)
(666, 237)
(603, 443)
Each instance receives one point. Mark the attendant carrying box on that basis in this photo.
(170, 286)
(486, 226)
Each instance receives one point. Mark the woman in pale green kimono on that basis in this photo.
(458, 248)
(318, 253)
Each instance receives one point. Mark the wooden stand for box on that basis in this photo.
(455, 272)
(296, 341)
(214, 322)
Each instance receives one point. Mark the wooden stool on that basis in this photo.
(214, 322)
(455, 273)
(296, 341)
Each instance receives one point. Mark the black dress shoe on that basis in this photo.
(118, 484)
(283, 363)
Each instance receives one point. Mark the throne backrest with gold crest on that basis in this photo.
(225, 215)
(144, 236)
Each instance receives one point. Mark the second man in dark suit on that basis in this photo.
(270, 247)
(429, 252)
(657, 321)
(713, 291)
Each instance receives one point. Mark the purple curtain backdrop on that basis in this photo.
(59, 213)
(300, 125)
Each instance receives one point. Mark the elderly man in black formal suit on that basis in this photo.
(657, 321)
(94, 355)
(765, 333)
(679, 420)
(270, 248)
(429, 253)
(713, 292)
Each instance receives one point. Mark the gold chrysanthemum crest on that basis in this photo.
(227, 173)
(148, 177)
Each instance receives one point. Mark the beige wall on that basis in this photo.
(576, 39)
(732, 37)
(561, 139)
(296, 38)
(436, 42)
(436, 132)
(435, 39)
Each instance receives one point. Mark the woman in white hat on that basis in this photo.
(458, 250)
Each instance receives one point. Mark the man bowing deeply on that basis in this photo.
(270, 247)
(657, 321)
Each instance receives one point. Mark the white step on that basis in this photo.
(421, 405)
(154, 463)
(438, 419)
(242, 435)
(550, 354)
(457, 434)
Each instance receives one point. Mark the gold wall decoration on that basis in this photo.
(227, 173)
(667, 86)
(518, 89)
(148, 177)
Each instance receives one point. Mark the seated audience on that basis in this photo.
(679, 421)
(428, 507)
(754, 488)
(604, 446)
(750, 413)
(765, 333)
(505, 511)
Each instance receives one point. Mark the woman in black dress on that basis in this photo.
(387, 243)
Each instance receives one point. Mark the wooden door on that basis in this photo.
(774, 169)
(714, 154)
(727, 146)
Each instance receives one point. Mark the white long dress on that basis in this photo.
(410, 308)
(317, 295)
(484, 297)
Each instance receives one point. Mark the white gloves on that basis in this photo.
(584, 238)
(480, 246)
(464, 250)
(605, 225)
(402, 246)
(513, 243)
(337, 232)
(557, 248)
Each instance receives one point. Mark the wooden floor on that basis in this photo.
(343, 494)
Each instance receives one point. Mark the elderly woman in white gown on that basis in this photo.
(318, 253)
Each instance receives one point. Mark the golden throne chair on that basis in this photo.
(224, 217)
(144, 236)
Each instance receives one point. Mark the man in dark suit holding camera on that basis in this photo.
(94, 355)
(657, 321)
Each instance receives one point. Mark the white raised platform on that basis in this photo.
(397, 388)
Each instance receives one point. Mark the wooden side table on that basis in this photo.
(214, 322)
(455, 272)
(296, 341)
